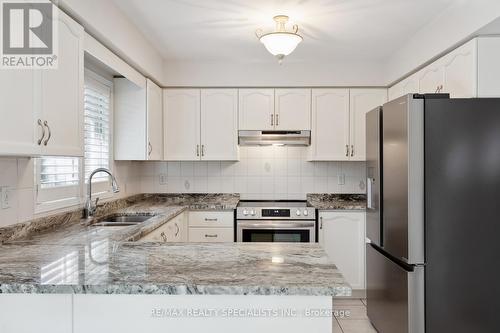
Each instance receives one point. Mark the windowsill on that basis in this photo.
(57, 206)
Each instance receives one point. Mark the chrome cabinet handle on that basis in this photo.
(439, 88)
(177, 229)
(211, 236)
(347, 150)
(277, 120)
(43, 132)
(50, 133)
(150, 150)
(210, 220)
(352, 150)
(163, 236)
(198, 150)
(321, 222)
(272, 119)
(202, 150)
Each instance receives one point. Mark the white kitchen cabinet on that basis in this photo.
(292, 109)
(42, 110)
(211, 226)
(219, 124)
(431, 78)
(172, 231)
(138, 128)
(406, 86)
(330, 125)
(459, 71)
(256, 109)
(181, 119)
(361, 102)
(342, 236)
(488, 66)
(154, 107)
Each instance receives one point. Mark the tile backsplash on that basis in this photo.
(269, 172)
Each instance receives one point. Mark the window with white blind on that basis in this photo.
(61, 181)
(97, 106)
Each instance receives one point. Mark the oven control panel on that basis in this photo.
(295, 213)
(275, 212)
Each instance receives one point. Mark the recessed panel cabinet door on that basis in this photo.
(342, 236)
(219, 124)
(459, 68)
(293, 109)
(62, 93)
(362, 102)
(431, 79)
(19, 131)
(154, 120)
(181, 117)
(330, 125)
(256, 109)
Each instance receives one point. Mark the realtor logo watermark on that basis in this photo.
(29, 34)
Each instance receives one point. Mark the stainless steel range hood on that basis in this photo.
(278, 138)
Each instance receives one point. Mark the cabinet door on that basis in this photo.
(256, 109)
(181, 119)
(19, 131)
(342, 236)
(430, 79)
(293, 109)
(410, 85)
(361, 102)
(154, 120)
(395, 91)
(460, 68)
(330, 125)
(219, 124)
(62, 93)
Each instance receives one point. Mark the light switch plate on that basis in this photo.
(5, 197)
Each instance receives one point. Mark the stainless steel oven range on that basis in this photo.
(275, 221)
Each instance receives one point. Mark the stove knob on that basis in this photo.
(245, 212)
(306, 212)
(297, 212)
(252, 212)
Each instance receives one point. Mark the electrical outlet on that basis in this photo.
(5, 197)
(341, 179)
(163, 179)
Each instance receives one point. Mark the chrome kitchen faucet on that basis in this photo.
(90, 207)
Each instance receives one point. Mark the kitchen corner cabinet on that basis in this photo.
(275, 109)
(342, 236)
(138, 129)
(42, 110)
(201, 124)
(173, 231)
(338, 122)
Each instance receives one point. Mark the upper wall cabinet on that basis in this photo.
(201, 124)
(330, 125)
(472, 70)
(275, 109)
(138, 129)
(338, 122)
(292, 109)
(256, 109)
(42, 110)
(181, 120)
(219, 124)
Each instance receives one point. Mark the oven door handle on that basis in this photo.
(274, 224)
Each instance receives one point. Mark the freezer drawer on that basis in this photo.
(395, 295)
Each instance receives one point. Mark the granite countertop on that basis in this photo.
(66, 254)
(323, 201)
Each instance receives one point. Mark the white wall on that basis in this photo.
(18, 175)
(234, 74)
(262, 173)
(459, 22)
(105, 21)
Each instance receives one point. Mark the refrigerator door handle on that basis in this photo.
(369, 192)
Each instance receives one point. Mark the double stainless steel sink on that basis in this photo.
(122, 220)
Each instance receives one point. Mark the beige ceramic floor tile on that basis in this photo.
(349, 312)
(356, 326)
(336, 326)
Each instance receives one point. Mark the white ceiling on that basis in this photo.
(333, 30)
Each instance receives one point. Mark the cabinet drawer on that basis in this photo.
(211, 235)
(211, 219)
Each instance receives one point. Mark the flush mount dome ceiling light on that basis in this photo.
(280, 43)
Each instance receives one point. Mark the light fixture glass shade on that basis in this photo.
(280, 43)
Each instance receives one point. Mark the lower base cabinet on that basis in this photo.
(342, 236)
(211, 226)
(173, 231)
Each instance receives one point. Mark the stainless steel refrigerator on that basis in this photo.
(433, 189)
